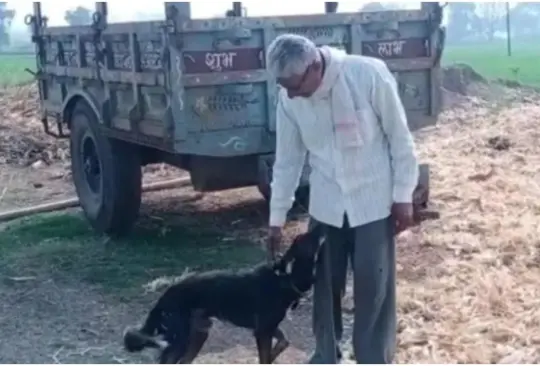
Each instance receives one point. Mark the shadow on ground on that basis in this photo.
(164, 243)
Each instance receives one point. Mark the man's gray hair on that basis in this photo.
(290, 54)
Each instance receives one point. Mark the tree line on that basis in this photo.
(477, 22)
(466, 21)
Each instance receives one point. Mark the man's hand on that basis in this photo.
(273, 245)
(403, 214)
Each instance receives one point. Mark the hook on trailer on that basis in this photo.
(29, 19)
(96, 18)
(33, 73)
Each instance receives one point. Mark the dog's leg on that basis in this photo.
(173, 353)
(281, 345)
(264, 347)
(179, 337)
(200, 327)
(196, 343)
(182, 353)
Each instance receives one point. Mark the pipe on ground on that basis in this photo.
(74, 202)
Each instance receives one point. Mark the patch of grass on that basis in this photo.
(491, 61)
(12, 69)
(65, 247)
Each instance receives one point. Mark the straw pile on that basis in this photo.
(22, 140)
(469, 288)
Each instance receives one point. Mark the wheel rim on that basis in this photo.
(91, 165)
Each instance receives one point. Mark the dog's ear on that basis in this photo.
(284, 264)
(283, 268)
(287, 261)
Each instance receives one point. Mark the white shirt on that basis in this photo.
(361, 181)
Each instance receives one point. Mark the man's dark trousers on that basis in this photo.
(371, 250)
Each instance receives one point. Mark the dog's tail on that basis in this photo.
(135, 340)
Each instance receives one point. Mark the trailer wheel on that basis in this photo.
(106, 173)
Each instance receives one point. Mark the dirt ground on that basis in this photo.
(49, 318)
(53, 320)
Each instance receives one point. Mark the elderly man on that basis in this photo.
(345, 110)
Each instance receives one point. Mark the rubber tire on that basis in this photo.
(116, 208)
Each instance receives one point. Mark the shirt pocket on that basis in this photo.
(347, 132)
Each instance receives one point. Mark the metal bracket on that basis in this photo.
(440, 46)
(99, 18)
(33, 73)
(59, 126)
(99, 24)
(438, 33)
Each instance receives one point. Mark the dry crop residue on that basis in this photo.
(479, 303)
(35, 167)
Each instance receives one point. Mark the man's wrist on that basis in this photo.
(277, 218)
(402, 203)
(403, 194)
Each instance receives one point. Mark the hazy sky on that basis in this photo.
(125, 11)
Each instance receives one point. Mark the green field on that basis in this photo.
(490, 60)
(12, 69)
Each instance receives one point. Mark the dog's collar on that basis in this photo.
(293, 286)
(280, 272)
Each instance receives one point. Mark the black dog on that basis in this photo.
(257, 298)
